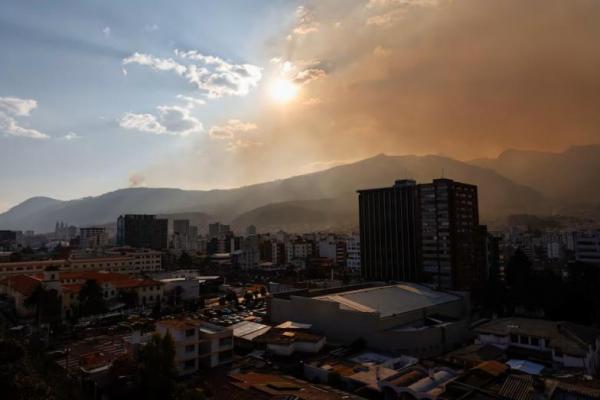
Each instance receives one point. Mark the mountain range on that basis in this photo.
(515, 182)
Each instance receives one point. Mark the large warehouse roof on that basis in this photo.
(389, 300)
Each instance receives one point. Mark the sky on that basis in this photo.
(101, 95)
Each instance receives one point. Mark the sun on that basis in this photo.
(283, 90)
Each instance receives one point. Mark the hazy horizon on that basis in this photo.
(206, 95)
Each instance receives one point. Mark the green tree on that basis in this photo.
(47, 304)
(184, 261)
(157, 371)
(91, 298)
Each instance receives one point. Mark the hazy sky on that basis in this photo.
(101, 95)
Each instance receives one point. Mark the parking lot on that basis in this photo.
(229, 315)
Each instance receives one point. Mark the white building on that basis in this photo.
(92, 238)
(181, 289)
(560, 343)
(298, 249)
(353, 253)
(587, 247)
(198, 344)
(327, 247)
(406, 318)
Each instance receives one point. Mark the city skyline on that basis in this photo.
(98, 96)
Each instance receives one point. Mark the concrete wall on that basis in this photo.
(343, 326)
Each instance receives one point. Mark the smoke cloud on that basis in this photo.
(466, 78)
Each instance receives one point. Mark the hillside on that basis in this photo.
(571, 177)
(499, 196)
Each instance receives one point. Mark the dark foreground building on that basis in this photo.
(139, 230)
(390, 232)
(427, 232)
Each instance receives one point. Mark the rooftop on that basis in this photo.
(570, 338)
(285, 336)
(23, 284)
(389, 300)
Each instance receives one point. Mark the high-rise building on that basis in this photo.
(92, 237)
(353, 253)
(181, 227)
(181, 234)
(452, 246)
(426, 232)
(251, 230)
(8, 240)
(139, 230)
(587, 247)
(390, 232)
(217, 229)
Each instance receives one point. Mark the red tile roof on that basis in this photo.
(23, 284)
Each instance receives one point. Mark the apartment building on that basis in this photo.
(198, 344)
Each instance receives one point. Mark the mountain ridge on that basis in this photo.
(334, 189)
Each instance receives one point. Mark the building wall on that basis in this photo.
(346, 326)
(390, 233)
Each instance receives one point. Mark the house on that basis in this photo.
(67, 285)
(552, 343)
(198, 344)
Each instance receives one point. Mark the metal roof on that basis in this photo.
(390, 300)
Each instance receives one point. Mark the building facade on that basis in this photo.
(142, 231)
(390, 232)
(198, 344)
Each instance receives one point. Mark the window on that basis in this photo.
(190, 364)
(524, 339)
(189, 348)
(558, 353)
(189, 332)
(535, 341)
(227, 341)
(514, 338)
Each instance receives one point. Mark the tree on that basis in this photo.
(518, 269)
(157, 371)
(47, 304)
(184, 261)
(263, 291)
(91, 298)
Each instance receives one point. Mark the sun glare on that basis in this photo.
(283, 90)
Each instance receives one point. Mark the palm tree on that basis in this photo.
(36, 300)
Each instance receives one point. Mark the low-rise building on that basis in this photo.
(146, 292)
(561, 344)
(121, 260)
(198, 344)
(407, 318)
(285, 342)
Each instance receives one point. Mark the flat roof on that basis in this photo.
(390, 300)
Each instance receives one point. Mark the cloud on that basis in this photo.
(16, 106)
(150, 27)
(465, 78)
(12, 108)
(169, 120)
(241, 143)
(70, 136)
(213, 76)
(106, 31)
(142, 122)
(230, 129)
(191, 102)
(155, 63)
(137, 180)
(308, 75)
(306, 22)
(391, 11)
